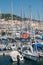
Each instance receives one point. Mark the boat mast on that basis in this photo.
(25, 25)
(42, 10)
(12, 12)
(32, 26)
(22, 18)
(39, 20)
(12, 18)
(30, 21)
(41, 13)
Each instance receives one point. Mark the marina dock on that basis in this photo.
(5, 52)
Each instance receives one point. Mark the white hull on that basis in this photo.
(14, 54)
(31, 57)
(15, 59)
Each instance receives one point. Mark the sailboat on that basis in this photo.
(27, 50)
(28, 53)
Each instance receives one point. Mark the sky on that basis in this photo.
(26, 6)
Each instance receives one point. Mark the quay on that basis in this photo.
(5, 52)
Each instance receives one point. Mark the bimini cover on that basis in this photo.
(38, 44)
(42, 38)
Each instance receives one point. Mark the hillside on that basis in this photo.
(9, 17)
(15, 17)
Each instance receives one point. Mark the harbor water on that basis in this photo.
(5, 60)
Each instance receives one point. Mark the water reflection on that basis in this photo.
(29, 62)
(5, 60)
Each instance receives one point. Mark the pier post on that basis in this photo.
(18, 60)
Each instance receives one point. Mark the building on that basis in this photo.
(14, 26)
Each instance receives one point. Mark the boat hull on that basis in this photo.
(15, 59)
(14, 55)
(31, 57)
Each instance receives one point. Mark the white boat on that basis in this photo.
(14, 55)
(27, 52)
